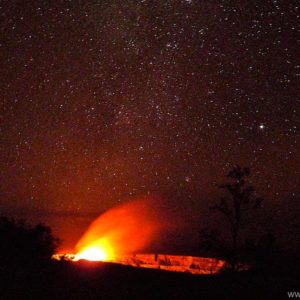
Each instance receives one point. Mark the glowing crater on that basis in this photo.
(96, 251)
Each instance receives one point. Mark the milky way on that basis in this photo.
(102, 101)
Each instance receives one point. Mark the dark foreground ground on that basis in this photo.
(83, 280)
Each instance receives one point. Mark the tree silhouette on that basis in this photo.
(20, 242)
(240, 199)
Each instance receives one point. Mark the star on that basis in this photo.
(187, 178)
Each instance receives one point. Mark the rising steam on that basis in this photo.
(125, 229)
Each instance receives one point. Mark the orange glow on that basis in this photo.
(93, 254)
(122, 234)
(174, 263)
(98, 251)
(125, 229)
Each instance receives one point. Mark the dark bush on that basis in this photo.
(21, 242)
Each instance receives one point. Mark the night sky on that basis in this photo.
(102, 101)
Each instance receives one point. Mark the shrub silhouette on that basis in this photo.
(20, 242)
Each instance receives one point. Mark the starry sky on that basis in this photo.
(102, 101)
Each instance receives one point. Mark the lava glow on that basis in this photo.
(98, 251)
(121, 233)
(93, 254)
(125, 229)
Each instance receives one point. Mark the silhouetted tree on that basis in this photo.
(240, 199)
(22, 243)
